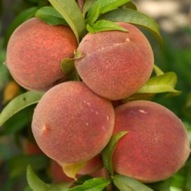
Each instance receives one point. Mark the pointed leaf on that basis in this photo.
(107, 153)
(100, 7)
(125, 183)
(158, 71)
(71, 170)
(17, 104)
(160, 84)
(104, 25)
(35, 183)
(50, 16)
(72, 14)
(94, 184)
(134, 17)
(87, 5)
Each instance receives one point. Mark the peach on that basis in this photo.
(56, 173)
(71, 124)
(156, 145)
(92, 167)
(115, 64)
(35, 52)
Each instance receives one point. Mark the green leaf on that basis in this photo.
(50, 16)
(107, 153)
(125, 183)
(162, 185)
(87, 5)
(104, 25)
(158, 71)
(22, 17)
(160, 84)
(17, 122)
(72, 14)
(134, 17)
(19, 103)
(35, 183)
(17, 165)
(100, 7)
(94, 184)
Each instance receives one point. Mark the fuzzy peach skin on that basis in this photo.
(156, 145)
(71, 124)
(35, 52)
(115, 64)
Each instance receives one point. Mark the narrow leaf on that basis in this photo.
(100, 7)
(50, 16)
(35, 183)
(104, 25)
(87, 5)
(72, 14)
(158, 71)
(125, 183)
(107, 153)
(160, 84)
(134, 17)
(17, 104)
(94, 184)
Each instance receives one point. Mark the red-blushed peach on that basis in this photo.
(93, 167)
(156, 144)
(115, 64)
(56, 173)
(71, 124)
(35, 52)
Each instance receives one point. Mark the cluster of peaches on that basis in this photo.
(75, 119)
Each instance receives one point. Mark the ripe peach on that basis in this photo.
(35, 51)
(56, 173)
(115, 64)
(71, 124)
(156, 145)
(93, 166)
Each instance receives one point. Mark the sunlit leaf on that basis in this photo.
(160, 84)
(125, 183)
(71, 170)
(72, 14)
(17, 104)
(50, 16)
(158, 71)
(100, 7)
(104, 25)
(35, 183)
(107, 153)
(134, 17)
